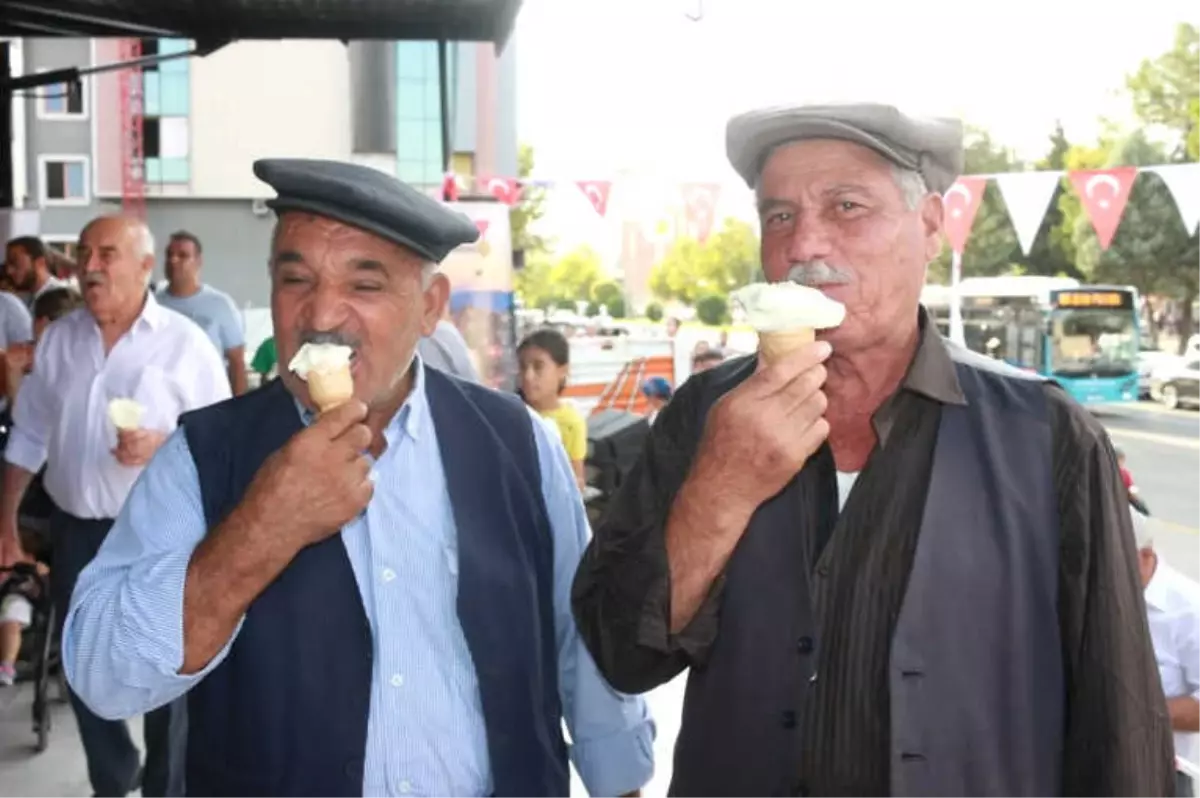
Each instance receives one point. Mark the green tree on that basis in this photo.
(1052, 253)
(1165, 91)
(1165, 95)
(712, 309)
(523, 216)
(726, 261)
(992, 246)
(1151, 250)
(532, 283)
(575, 274)
(654, 311)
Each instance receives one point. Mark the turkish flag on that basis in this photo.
(482, 226)
(1104, 193)
(700, 208)
(960, 203)
(505, 189)
(597, 193)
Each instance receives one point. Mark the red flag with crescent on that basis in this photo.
(960, 203)
(482, 226)
(700, 208)
(597, 193)
(505, 189)
(1104, 193)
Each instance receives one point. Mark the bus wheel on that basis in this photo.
(1170, 396)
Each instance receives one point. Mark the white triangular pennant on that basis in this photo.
(1183, 181)
(1027, 195)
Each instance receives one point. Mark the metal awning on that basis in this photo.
(220, 21)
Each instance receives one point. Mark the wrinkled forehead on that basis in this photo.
(318, 240)
(823, 160)
(107, 233)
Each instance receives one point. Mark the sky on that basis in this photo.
(613, 88)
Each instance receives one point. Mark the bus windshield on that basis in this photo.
(1093, 342)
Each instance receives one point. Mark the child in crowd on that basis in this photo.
(545, 358)
(16, 612)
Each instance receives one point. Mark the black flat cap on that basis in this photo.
(369, 200)
(931, 147)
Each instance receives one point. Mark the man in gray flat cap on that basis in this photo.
(892, 566)
(369, 600)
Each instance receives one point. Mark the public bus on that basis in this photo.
(1085, 337)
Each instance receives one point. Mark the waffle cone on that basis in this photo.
(328, 389)
(781, 343)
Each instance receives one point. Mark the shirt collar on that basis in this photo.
(931, 373)
(412, 416)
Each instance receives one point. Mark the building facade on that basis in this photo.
(205, 121)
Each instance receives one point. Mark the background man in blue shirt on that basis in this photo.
(209, 307)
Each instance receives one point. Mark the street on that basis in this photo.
(1163, 452)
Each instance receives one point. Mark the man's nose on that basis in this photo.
(327, 308)
(810, 238)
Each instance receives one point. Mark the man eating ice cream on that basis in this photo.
(894, 567)
(359, 574)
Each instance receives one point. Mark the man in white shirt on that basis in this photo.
(1173, 610)
(122, 345)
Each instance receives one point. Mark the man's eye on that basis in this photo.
(777, 219)
(847, 206)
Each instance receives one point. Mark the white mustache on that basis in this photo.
(817, 273)
(94, 278)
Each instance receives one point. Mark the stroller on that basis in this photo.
(39, 659)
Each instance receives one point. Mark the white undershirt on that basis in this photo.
(845, 482)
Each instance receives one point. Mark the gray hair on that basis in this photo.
(145, 240)
(911, 185)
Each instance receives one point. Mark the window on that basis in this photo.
(62, 100)
(166, 103)
(64, 179)
(419, 157)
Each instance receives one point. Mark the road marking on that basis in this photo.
(1147, 408)
(1165, 440)
(1172, 525)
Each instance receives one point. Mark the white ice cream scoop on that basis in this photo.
(326, 369)
(126, 414)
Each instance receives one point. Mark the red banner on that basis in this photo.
(960, 203)
(700, 208)
(1104, 193)
(597, 193)
(482, 226)
(505, 189)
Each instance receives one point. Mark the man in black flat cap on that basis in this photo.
(892, 566)
(370, 600)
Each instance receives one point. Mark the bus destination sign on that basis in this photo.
(1093, 299)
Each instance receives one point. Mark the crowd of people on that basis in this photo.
(890, 566)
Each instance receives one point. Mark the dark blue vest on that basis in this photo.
(286, 712)
(976, 675)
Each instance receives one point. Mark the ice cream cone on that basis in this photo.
(780, 343)
(328, 389)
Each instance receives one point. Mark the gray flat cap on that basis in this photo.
(369, 200)
(932, 147)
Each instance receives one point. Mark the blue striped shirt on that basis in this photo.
(123, 640)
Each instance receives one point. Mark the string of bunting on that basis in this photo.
(1104, 194)
(699, 199)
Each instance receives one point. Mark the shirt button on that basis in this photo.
(805, 645)
(388, 574)
(397, 680)
(405, 787)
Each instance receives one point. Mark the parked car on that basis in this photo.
(1151, 361)
(1177, 385)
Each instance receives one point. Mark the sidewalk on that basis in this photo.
(60, 770)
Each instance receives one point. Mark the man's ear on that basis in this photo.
(436, 296)
(931, 220)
